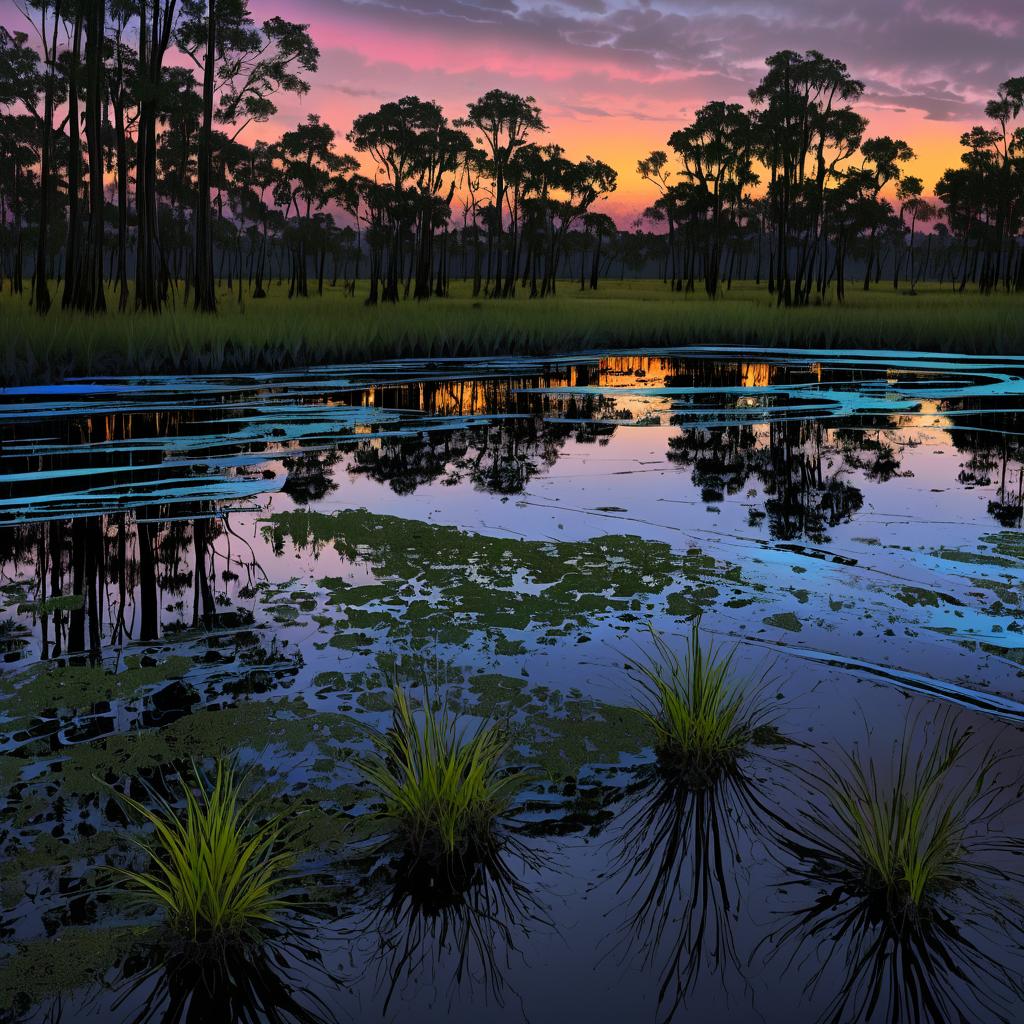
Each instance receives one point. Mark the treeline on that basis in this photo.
(798, 172)
(107, 148)
(124, 176)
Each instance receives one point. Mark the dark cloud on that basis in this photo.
(919, 54)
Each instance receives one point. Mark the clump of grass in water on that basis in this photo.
(215, 869)
(912, 896)
(703, 716)
(905, 834)
(443, 789)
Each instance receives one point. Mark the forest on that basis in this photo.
(133, 178)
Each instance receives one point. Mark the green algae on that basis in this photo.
(784, 620)
(918, 596)
(287, 725)
(73, 958)
(73, 687)
(439, 584)
(970, 557)
(1007, 544)
(32, 853)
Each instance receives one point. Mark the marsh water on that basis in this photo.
(242, 566)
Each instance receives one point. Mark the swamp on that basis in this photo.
(736, 635)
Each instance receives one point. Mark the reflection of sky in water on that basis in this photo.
(858, 553)
(822, 571)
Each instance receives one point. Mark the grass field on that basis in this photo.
(277, 333)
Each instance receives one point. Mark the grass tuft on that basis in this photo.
(904, 832)
(703, 716)
(443, 789)
(215, 869)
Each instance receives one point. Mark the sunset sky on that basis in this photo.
(615, 77)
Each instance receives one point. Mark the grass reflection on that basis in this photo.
(916, 913)
(270, 978)
(458, 935)
(682, 862)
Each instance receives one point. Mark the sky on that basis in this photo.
(614, 78)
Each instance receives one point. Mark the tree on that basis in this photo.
(418, 153)
(309, 165)
(908, 193)
(121, 79)
(156, 27)
(243, 66)
(21, 84)
(49, 21)
(715, 151)
(654, 168)
(582, 184)
(882, 158)
(505, 121)
(800, 117)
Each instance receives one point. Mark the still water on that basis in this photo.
(242, 565)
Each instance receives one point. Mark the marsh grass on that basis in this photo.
(911, 908)
(904, 831)
(703, 716)
(215, 868)
(277, 333)
(442, 787)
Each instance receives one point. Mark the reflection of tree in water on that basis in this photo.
(801, 462)
(104, 580)
(460, 934)
(500, 456)
(678, 858)
(995, 456)
(310, 475)
(407, 462)
(806, 492)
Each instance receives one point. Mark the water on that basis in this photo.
(242, 565)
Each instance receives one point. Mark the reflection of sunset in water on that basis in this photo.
(755, 375)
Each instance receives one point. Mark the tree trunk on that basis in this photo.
(40, 285)
(206, 295)
(90, 290)
(70, 297)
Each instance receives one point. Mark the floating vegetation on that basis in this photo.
(702, 715)
(443, 788)
(215, 869)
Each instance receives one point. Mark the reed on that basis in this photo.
(904, 830)
(442, 787)
(214, 868)
(703, 716)
(276, 333)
